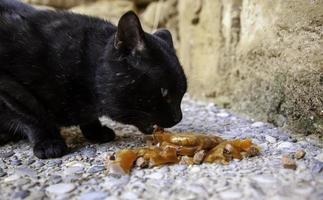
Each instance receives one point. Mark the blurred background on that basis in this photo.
(263, 59)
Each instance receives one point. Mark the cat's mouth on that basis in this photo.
(149, 129)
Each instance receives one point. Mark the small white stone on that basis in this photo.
(230, 194)
(155, 175)
(74, 170)
(319, 157)
(93, 196)
(12, 178)
(265, 179)
(61, 188)
(195, 169)
(285, 145)
(75, 164)
(257, 124)
(270, 139)
(222, 114)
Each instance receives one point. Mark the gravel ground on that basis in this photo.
(81, 174)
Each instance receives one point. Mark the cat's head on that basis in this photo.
(147, 80)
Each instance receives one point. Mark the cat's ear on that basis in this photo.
(130, 35)
(165, 35)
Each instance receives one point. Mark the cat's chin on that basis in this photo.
(147, 129)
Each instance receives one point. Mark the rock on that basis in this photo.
(230, 195)
(289, 163)
(116, 181)
(30, 162)
(2, 173)
(16, 162)
(53, 163)
(143, 2)
(56, 179)
(156, 175)
(39, 164)
(7, 154)
(96, 169)
(285, 145)
(25, 171)
(109, 10)
(300, 154)
(223, 114)
(265, 179)
(36, 195)
(270, 139)
(74, 170)
(61, 188)
(93, 196)
(89, 152)
(319, 157)
(158, 13)
(20, 194)
(11, 178)
(257, 124)
(129, 195)
(317, 167)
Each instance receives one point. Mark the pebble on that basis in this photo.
(20, 194)
(265, 179)
(25, 171)
(116, 182)
(270, 139)
(285, 145)
(89, 152)
(16, 162)
(318, 167)
(299, 154)
(96, 169)
(222, 114)
(56, 179)
(93, 196)
(11, 178)
(2, 173)
(129, 195)
(39, 164)
(61, 188)
(257, 124)
(53, 163)
(7, 154)
(289, 163)
(30, 161)
(230, 195)
(155, 175)
(74, 170)
(319, 157)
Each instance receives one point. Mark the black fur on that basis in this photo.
(60, 69)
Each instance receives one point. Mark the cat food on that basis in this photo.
(186, 148)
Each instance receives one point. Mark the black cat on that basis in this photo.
(61, 69)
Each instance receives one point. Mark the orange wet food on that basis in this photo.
(184, 148)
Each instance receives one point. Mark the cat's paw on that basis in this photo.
(104, 134)
(50, 149)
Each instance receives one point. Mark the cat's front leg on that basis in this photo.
(46, 139)
(96, 133)
(21, 114)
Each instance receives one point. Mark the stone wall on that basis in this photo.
(260, 58)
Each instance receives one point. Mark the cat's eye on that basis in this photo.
(164, 92)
